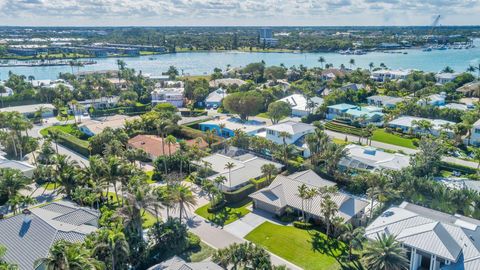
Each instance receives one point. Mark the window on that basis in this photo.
(270, 132)
(477, 130)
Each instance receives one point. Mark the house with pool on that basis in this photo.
(251, 127)
(365, 115)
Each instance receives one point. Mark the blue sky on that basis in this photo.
(237, 12)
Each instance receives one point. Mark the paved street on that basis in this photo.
(409, 151)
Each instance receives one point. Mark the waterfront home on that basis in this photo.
(30, 110)
(29, 236)
(384, 101)
(370, 158)
(252, 126)
(434, 100)
(366, 114)
(283, 193)
(406, 124)
(301, 106)
(214, 99)
(332, 73)
(246, 166)
(226, 82)
(475, 134)
(392, 75)
(154, 146)
(97, 104)
(8, 91)
(177, 263)
(93, 127)
(433, 240)
(169, 92)
(297, 132)
(353, 87)
(455, 106)
(24, 167)
(443, 78)
(470, 89)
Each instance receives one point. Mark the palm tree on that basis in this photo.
(221, 126)
(112, 243)
(371, 66)
(353, 237)
(3, 264)
(351, 62)
(170, 140)
(229, 166)
(3, 90)
(476, 156)
(329, 209)
(269, 170)
(185, 198)
(303, 194)
(385, 253)
(321, 60)
(12, 181)
(285, 135)
(473, 68)
(65, 255)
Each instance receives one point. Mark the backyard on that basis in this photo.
(308, 249)
(226, 215)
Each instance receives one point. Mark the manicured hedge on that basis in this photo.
(456, 167)
(239, 194)
(74, 143)
(131, 110)
(302, 225)
(343, 128)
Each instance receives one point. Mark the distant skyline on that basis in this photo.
(237, 12)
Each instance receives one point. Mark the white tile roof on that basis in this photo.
(363, 157)
(177, 263)
(283, 191)
(452, 237)
(217, 95)
(406, 121)
(292, 127)
(27, 108)
(299, 102)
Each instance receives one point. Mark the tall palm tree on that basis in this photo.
(321, 60)
(269, 170)
(185, 198)
(285, 135)
(221, 126)
(110, 245)
(385, 253)
(65, 256)
(12, 181)
(371, 66)
(229, 166)
(303, 194)
(354, 237)
(351, 62)
(170, 140)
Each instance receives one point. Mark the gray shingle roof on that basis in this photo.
(283, 191)
(176, 263)
(29, 239)
(452, 237)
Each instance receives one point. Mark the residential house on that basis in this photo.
(24, 167)
(455, 106)
(251, 126)
(214, 99)
(177, 263)
(155, 147)
(392, 75)
(405, 124)
(29, 236)
(8, 91)
(30, 110)
(433, 240)
(475, 134)
(97, 104)
(283, 193)
(434, 100)
(366, 114)
(246, 166)
(92, 127)
(169, 92)
(384, 101)
(332, 73)
(301, 106)
(226, 82)
(443, 78)
(353, 87)
(370, 158)
(470, 89)
(297, 132)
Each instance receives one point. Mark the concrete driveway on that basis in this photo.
(249, 222)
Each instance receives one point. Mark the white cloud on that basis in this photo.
(235, 12)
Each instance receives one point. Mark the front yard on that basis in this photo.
(380, 135)
(308, 249)
(227, 215)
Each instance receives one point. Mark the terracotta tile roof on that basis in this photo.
(152, 145)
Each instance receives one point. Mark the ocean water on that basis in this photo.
(199, 63)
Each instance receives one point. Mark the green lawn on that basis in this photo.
(226, 216)
(49, 186)
(307, 249)
(148, 220)
(150, 180)
(198, 254)
(381, 136)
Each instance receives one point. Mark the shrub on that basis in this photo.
(302, 225)
(217, 207)
(193, 241)
(73, 143)
(415, 141)
(239, 194)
